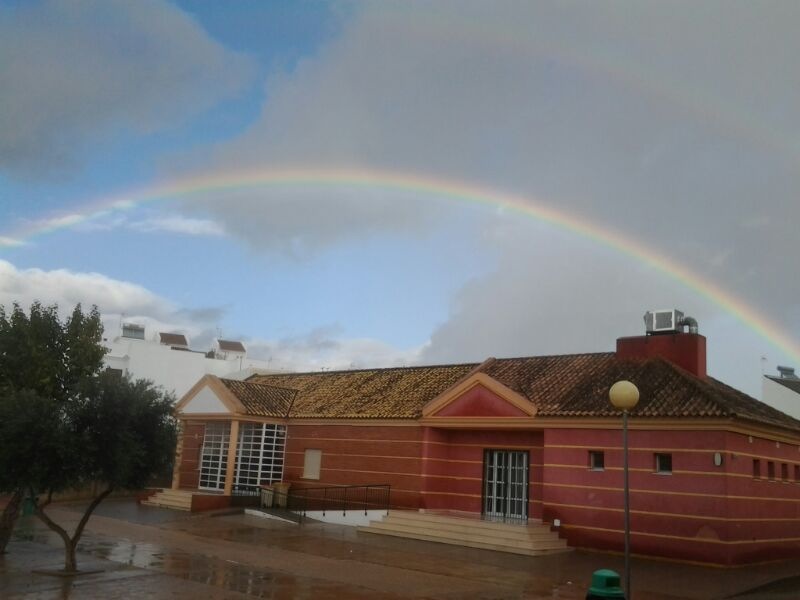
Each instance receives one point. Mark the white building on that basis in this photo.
(782, 391)
(167, 360)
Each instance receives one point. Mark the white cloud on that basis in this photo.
(67, 288)
(326, 348)
(178, 224)
(73, 71)
(120, 301)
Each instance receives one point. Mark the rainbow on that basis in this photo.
(419, 184)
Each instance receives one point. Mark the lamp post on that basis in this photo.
(624, 396)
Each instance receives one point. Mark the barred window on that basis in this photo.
(259, 454)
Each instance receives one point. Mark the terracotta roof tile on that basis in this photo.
(398, 393)
(173, 339)
(559, 386)
(230, 346)
(260, 399)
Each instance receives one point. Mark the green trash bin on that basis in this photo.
(27, 506)
(605, 584)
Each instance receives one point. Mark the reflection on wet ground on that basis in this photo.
(147, 552)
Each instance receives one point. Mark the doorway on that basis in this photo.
(505, 485)
(214, 456)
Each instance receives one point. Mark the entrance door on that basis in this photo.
(505, 487)
(214, 456)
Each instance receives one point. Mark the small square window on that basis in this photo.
(312, 464)
(663, 463)
(771, 470)
(756, 469)
(784, 472)
(797, 473)
(597, 460)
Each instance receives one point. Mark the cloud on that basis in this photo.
(178, 224)
(68, 288)
(672, 124)
(150, 222)
(118, 301)
(325, 348)
(73, 72)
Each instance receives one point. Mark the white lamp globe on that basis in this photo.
(624, 395)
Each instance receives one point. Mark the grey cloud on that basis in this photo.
(674, 124)
(75, 71)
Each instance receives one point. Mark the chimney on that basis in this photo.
(665, 339)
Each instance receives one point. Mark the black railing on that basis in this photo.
(245, 495)
(339, 498)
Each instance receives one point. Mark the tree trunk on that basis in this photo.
(8, 518)
(71, 543)
(70, 564)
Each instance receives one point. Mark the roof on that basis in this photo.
(791, 383)
(396, 393)
(173, 339)
(260, 399)
(565, 386)
(230, 346)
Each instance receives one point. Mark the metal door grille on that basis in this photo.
(259, 454)
(214, 456)
(505, 488)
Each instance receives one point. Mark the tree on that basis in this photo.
(44, 359)
(120, 433)
(66, 424)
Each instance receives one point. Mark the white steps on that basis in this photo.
(533, 539)
(175, 499)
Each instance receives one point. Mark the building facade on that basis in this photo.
(167, 360)
(714, 473)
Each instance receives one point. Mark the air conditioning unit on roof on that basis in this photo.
(663, 321)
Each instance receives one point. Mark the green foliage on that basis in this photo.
(41, 354)
(127, 431)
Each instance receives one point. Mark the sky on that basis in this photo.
(356, 184)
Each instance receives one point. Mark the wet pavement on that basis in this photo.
(148, 552)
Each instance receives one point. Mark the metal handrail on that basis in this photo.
(333, 498)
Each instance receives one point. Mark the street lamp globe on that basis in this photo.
(624, 395)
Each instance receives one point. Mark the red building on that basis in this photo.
(714, 473)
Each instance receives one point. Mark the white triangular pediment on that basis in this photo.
(205, 402)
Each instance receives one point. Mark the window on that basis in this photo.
(259, 454)
(664, 463)
(785, 472)
(756, 469)
(312, 464)
(797, 473)
(597, 460)
(771, 470)
(133, 331)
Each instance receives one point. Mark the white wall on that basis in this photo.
(174, 370)
(780, 397)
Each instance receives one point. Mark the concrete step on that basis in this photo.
(522, 531)
(496, 538)
(468, 544)
(175, 499)
(534, 539)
